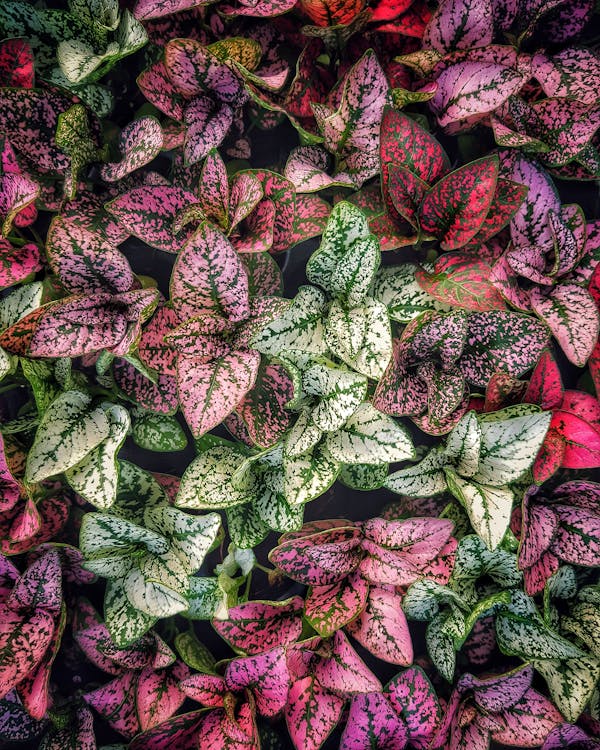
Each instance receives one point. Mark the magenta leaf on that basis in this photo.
(17, 263)
(373, 723)
(455, 208)
(180, 731)
(344, 671)
(382, 628)
(530, 225)
(413, 698)
(266, 675)
(311, 713)
(16, 64)
(545, 387)
(157, 87)
(139, 143)
(259, 625)
(149, 212)
(208, 276)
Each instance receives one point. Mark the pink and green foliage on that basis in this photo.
(565, 528)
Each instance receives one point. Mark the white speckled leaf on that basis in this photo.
(463, 445)
(214, 480)
(307, 477)
(339, 393)
(68, 431)
(370, 437)
(420, 480)
(95, 478)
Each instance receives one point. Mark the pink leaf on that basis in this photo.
(530, 225)
(149, 212)
(545, 387)
(16, 64)
(457, 24)
(414, 699)
(257, 626)
(40, 586)
(421, 538)
(158, 695)
(206, 124)
(473, 89)
(329, 608)
(528, 722)
(139, 143)
(115, 702)
(455, 208)
(571, 315)
(311, 713)
(23, 642)
(209, 392)
(17, 263)
(207, 689)
(84, 262)
(382, 628)
(157, 87)
(208, 276)
(344, 671)
(540, 523)
(263, 407)
(266, 675)
(160, 397)
(577, 538)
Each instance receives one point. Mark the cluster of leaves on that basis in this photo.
(297, 256)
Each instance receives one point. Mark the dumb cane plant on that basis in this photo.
(299, 419)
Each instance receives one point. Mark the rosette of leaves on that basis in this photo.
(349, 127)
(549, 263)
(562, 528)
(243, 206)
(571, 672)
(353, 572)
(478, 587)
(148, 565)
(481, 463)
(75, 47)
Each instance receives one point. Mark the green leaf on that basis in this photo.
(309, 476)
(571, 683)
(125, 623)
(440, 647)
(370, 437)
(365, 477)
(218, 478)
(157, 432)
(190, 537)
(74, 137)
(300, 327)
(68, 431)
(204, 598)
(463, 445)
(137, 492)
(246, 527)
(361, 336)
(424, 479)
(529, 638)
(346, 225)
(194, 653)
(509, 448)
(489, 508)
(95, 478)
(396, 287)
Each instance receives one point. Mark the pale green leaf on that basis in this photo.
(463, 445)
(364, 477)
(397, 288)
(339, 392)
(213, 480)
(571, 683)
(309, 476)
(529, 638)
(205, 597)
(157, 432)
(190, 537)
(245, 526)
(19, 303)
(424, 479)
(125, 623)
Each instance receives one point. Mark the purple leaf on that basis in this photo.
(139, 143)
(40, 586)
(373, 723)
(206, 124)
(208, 276)
(149, 212)
(568, 74)
(577, 538)
(459, 24)
(158, 695)
(530, 225)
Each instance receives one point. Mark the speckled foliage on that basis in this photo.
(300, 363)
